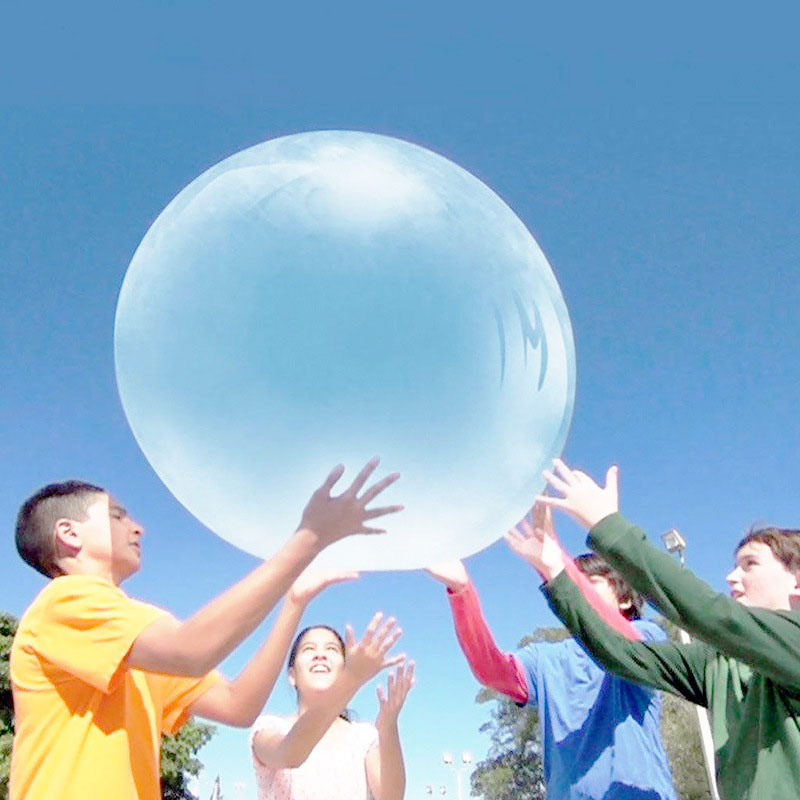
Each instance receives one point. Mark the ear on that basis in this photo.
(292, 679)
(625, 605)
(794, 593)
(68, 540)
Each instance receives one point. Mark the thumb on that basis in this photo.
(612, 480)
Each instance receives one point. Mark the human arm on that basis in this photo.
(675, 668)
(363, 661)
(769, 641)
(492, 667)
(534, 540)
(386, 773)
(238, 702)
(197, 645)
(766, 640)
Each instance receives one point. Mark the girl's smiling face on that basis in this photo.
(318, 660)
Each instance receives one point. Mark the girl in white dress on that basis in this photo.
(318, 752)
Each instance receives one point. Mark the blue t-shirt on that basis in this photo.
(601, 734)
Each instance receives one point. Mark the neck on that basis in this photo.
(79, 566)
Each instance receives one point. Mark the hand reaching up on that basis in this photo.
(391, 701)
(583, 499)
(534, 540)
(333, 517)
(453, 574)
(367, 658)
(312, 581)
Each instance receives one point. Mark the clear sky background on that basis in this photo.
(652, 151)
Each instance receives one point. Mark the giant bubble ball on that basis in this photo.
(328, 296)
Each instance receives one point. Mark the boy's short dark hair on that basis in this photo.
(592, 564)
(784, 543)
(37, 517)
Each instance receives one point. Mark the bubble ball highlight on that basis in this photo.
(327, 296)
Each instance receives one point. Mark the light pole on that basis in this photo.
(675, 544)
(429, 790)
(466, 760)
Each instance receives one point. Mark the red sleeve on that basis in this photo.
(493, 668)
(611, 616)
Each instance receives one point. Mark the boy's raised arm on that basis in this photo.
(679, 669)
(238, 702)
(766, 640)
(200, 643)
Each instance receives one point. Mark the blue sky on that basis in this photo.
(651, 151)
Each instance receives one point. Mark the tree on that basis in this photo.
(178, 759)
(681, 736)
(512, 769)
(178, 753)
(8, 627)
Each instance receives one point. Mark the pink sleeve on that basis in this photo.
(611, 616)
(493, 668)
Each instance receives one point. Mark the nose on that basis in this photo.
(733, 576)
(137, 527)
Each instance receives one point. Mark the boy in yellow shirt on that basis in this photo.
(98, 676)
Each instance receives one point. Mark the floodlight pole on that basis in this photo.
(466, 760)
(675, 543)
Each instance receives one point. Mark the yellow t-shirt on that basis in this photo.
(86, 727)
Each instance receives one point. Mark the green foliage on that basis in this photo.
(681, 736)
(8, 627)
(178, 759)
(178, 753)
(512, 769)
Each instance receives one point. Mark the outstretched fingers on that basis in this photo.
(333, 477)
(360, 479)
(380, 486)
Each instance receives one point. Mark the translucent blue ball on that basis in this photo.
(328, 296)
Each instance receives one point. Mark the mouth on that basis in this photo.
(320, 669)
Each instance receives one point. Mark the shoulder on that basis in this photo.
(270, 724)
(364, 735)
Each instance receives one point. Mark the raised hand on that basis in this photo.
(312, 581)
(534, 540)
(334, 517)
(391, 701)
(583, 499)
(367, 658)
(453, 574)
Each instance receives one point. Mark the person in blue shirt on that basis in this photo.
(601, 735)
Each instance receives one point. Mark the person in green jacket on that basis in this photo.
(744, 665)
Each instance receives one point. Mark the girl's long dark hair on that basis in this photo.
(346, 715)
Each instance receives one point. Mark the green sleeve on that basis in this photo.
(675, 668)
(769, 641)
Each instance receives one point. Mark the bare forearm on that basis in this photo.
(241, 700)
(200, 643)
(312, 724)
(392, 766)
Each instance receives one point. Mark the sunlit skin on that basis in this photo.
(318, 662)
(759, 580)
(107, 543)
